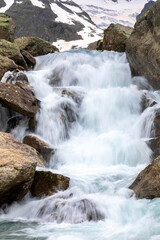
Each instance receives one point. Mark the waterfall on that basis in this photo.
(92, 115)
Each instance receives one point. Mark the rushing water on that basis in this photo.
(92, 116)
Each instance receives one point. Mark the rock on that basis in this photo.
(18, 99)
(147, 6)
(35, 46)
(6, 65)
(115, 37)
(30, 60)
(65, 207)
(7, 27)
(47, 183)
(154, 145)
(13, 122)
(144, 44)
(99, 44)
(147, 183)
(12, 51)
(42, 147)
(16, 175)
(96, 45)
(7, 141)
(157, 124)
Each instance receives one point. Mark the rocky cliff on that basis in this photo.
(143, 46)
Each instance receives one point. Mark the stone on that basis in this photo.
(6, 65)
(16, 175)
(30, 60)
(98, 45)
(12, 51)
(47, 183)
(42, 147)
(18, 99)
(147, 183)
(35, 46)
(7, 141)
(115, 37)
(143, 46)
(7, 27)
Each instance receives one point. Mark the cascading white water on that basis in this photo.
(91, 114)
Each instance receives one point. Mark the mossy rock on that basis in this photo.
(35, 46)
(11, 50)
(7, 27)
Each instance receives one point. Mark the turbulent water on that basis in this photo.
(91, 113)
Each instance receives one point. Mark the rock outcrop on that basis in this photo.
(115, 37)
(7, 141)
(35, 46)
(6, 65)
(47, 183)
(7, 27)
(18, 99)
(12, 51)
(144, 44)
(147, 183)
(42, 147)
(147, 6)
(16, 175)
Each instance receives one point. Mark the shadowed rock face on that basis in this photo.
(6, 65)
(44, 26)
(42, 147)
(147, 6)
(147, 183)
(7, 26)
(2, 3)
(16, 175)
(47, 183)
(18, 99)
(144, 44)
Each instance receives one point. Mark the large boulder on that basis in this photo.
(12, 51)
(147, 183)
(18, 99)
(7, 27)
(7, 141)
(42, 147)
(35, 46)
(47, 183)
(147, 6)
(115, 37)
(144, 44)
(16, 175)
(6, 65)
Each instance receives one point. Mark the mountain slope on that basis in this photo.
(52, 20)
(103, 12)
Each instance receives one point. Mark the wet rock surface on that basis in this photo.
(7, 141)
(42, 147)
(16, 175)
(6, 65)
(18, 99)
(46, 183)
(147, 183)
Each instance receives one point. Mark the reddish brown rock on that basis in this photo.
(6, 65)
(18, 99)
(16, 175)
(115, 37)
(42, 147)
(7, 141)
(47, 183)
(147, 183)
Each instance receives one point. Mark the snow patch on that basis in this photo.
(37, 3)
(9, 3)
